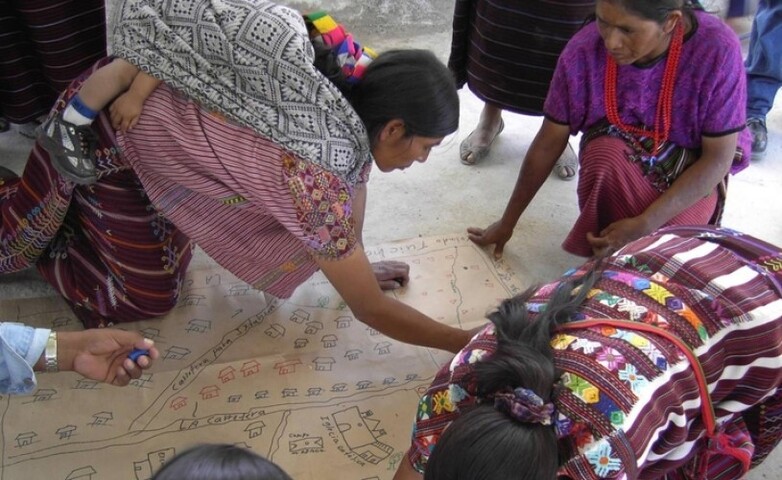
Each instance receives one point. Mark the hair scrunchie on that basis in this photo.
(352, 57)
(524, 405)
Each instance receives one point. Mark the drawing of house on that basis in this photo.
(290, 392)
(85, 384)
(227, 374)
(178, 402)
(411, 376)
(360, 434)
(255, 429)
(191, 300)
(300, 316)
(44, 394)
(329, 341)
(383, 348)
(313, 327)
(145, 468)
(314, 391)
(339, 387)
(176, 353)
(323, 364)
(83, 473)
(150, 332)
(234, 398)
(353, 354)
(300, 343)
(142, 381)
(60, 322)
(363, 385)
(198, 325)
(343, 322)
(286, 368)
(66, 432)
(101, 419)
(25, 439)
(372, 331)
(238, 290)
(389, 380)
(211, 391)
(275, 331)
(250, 368)
(261, 394)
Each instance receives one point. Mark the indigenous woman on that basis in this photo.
(657, 88)
(663, 361)
(246, 149)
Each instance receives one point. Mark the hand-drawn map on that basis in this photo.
(299, 381)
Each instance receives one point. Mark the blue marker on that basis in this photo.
(137, 352)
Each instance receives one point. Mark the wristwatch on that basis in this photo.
(50, 354)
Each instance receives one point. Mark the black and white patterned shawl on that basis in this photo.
(252, 61)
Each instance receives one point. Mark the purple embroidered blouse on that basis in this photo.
(710, 93)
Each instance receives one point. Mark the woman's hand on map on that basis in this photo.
(102, 354)
(391, 274)
(617, 235)
(496, 234)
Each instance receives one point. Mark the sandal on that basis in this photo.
(567, 164)
(471, 154)
(71, 148)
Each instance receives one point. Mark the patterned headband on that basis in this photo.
(352, 57)
(524, 405)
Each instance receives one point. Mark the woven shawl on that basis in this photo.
(252, 61)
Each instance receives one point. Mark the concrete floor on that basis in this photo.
(443, 196)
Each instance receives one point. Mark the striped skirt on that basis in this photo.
(611, 188)
(507, 51)
(103, 247)
(44, 44)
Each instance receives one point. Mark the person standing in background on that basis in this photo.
(764, 71)
(44, 45)
(506, 53)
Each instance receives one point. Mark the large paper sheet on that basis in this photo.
(299, 381)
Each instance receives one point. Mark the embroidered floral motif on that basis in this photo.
(602, 460)
(442, 402)
(630, 375)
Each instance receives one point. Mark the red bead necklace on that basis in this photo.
(662, 120)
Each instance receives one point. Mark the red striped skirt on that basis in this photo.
(611, 188)
(103, 247)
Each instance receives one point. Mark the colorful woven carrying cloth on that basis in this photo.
(352, 57)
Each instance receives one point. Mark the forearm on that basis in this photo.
(406, 324)
(143, 86)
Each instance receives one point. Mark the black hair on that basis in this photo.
(411, 85)
(485, 443)
(219, 462)
(657, 10)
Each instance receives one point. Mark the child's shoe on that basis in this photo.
(71, 147)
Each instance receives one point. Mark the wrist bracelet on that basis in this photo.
(50, 354)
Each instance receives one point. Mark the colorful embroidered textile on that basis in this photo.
(713, 290)
(104, 248)
(251, 60)
(611, 188)
(709, 98)
(352, 57)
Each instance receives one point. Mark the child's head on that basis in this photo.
(220, 462)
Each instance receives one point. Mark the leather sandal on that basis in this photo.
(471, 154)
(567, 164)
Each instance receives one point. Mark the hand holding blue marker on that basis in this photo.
(136, 353)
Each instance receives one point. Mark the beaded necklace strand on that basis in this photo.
(662, 121)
